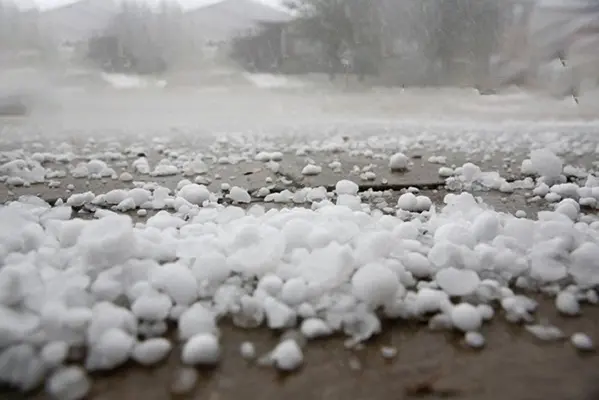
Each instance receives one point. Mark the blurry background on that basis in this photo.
(384, 42)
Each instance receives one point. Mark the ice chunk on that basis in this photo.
(68, 383)
(346, 187)
(466, 317)
(21, 367)
(399, 162)
(313, 328)
(287, 356)
(239, 195)
(247, 350)
(582, 342)
(194, 193)
(375, 284)
(201, 349)
(197, 319)
(546, 164)
(151, 351)
(474, 339)
(567, 303)
(110, 351)
(152, 306)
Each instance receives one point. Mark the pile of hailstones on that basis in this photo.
(78, 296)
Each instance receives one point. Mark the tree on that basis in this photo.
(141, 39)
(342, 28)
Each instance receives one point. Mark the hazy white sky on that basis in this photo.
(48, 4)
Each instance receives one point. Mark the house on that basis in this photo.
(76, 21)
(223, 21)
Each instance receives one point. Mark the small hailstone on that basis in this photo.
(375, 284)
(466, 317)
(408, 202)
(346, 187)
(520, 214)
(225, 186)
(142, 212)
(314, 327)
(567, 303)
(54, 353)
(388, 352)
(582, 342)
(474, 339)
(423, 203)
(446, 172)
(311, 169)
(239, 195)
(399, 162)
(545, 332)
(112, 350)
(151, 351)
(126, 177)
(287, 356)
(184, 380)
(247, 350)
(457, 282)
(486, 311)
(201, 349)
(68, 383)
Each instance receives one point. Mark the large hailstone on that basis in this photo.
(457, 282)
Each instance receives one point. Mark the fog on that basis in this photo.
(52, 58)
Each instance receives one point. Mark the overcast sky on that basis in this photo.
(48, 4)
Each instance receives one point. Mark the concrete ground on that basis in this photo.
(514, 365)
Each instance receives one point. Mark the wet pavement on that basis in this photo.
(429, 365)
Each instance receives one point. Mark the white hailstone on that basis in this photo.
(388, 352)
(68, 383)
(313, 328)
(408, 202)
(184, 380)
(152, 306)
(446, 172)
(195, 320)
(294, 291)
(466, 317)
(151, 351)
(375, 284)
(126, 177)
(194, 193)
(520, 214)
(54, 353)
(567, 303)
(582, 342)
(545, 332)
(270, 284)
(110, 351)
(423, 203)
(545, 163)
(247, 350)
(399, 162)
(311, 169)
(527, 168)
(346, 187)
(287, 356)
(457, 282)
(239, 195)
(225, 186)
(486, 311)
(278, 315)
(201, 349)
(474, 339)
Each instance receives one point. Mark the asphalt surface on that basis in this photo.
(514, 364)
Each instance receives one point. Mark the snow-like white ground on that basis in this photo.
(140, 257)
